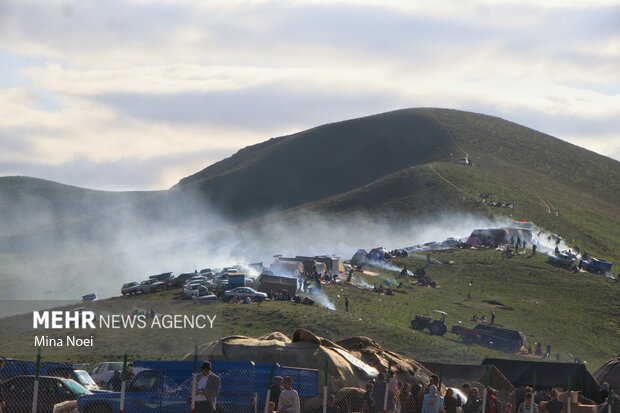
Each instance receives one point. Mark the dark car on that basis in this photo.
(18, 393)
(180, 279)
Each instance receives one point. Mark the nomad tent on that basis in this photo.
(548, 375)
(609, 373)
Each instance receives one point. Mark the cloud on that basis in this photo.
(116, 80)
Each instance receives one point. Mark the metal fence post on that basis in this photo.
(485, 383)
(123, 384)
(35, 395)
(269, 388)
(570, 396)
(194, 376)
(325, 387)
(533, 392)
(387, 386)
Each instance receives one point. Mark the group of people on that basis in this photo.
(282, 397)
(483, 318)
(402, 397)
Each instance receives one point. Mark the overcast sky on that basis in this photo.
(121, 94)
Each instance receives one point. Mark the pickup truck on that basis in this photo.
(147, 392)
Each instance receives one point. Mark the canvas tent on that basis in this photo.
(334, 264)
(286, 268)
(359, 257)
(371, 353)
(548, 375)
(306, 350)
(610, 373)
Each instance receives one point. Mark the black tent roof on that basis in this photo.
(548, 374)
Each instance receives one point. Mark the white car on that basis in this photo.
(243, 292)
(203, 295)
(102, 372)
(191, 289)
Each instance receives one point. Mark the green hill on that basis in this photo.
(400, 167)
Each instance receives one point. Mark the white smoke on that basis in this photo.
(137, 247)
(319, 296)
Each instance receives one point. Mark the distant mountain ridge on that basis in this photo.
(405, 163)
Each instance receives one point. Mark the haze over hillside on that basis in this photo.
(401, 166)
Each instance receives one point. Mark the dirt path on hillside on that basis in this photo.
(448, 181)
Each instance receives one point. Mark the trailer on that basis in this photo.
(493, 337)
(595, 265)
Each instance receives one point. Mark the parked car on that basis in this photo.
(17, 393)
(207, 272)
(243, 292)
(148, 286)
(130, 288)
(195, 279)
(102, 372)
(164, 276)
(80, 376)
(180, 280)
(203, 295)
(190, 289)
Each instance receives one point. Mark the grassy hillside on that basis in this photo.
(27, 203)
(576, 313)
(343, 156)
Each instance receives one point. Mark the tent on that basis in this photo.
(306, 350)
(359, 257)
(371, 353)
(377, 254)
(610, 373)
(548, 375)
(286, 268)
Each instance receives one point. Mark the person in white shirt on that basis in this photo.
(289, 399)
(207, 389)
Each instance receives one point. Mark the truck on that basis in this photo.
(503, 339)
(165, 387)
(236, 280)
(267, 282)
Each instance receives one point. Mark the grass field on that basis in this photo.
(576, 313)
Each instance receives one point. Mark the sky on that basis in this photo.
(136, 94)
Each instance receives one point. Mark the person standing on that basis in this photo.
(492, 317)
(474, 403)
(207, 389)
(346, 304)
(289, 399)
(275, 390)
(432, 403)
(493, 405)
(449, 402)
(555, 405)
(332, 407)
(526, 406)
